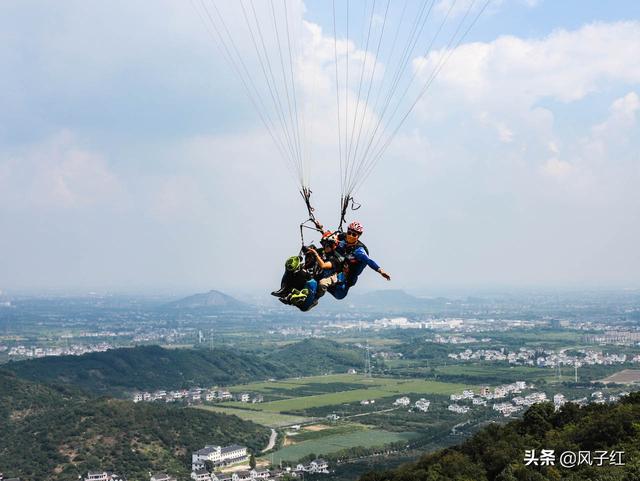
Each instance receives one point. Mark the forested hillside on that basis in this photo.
(54, 433)
(497, 453)
(152, 367)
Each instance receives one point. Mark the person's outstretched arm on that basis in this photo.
(362, 256)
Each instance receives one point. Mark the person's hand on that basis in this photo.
(384, 274)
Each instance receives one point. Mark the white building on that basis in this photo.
(422, 405)
(458, 409)
(97, 476)
(162, 477)
(402, 401)
(220, 455)
(200, 475)
(559, 400)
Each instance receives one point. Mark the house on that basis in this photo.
(458, 409)
(200, 475)
(402, 401)
(333, 417)
(137, 397)
(98, 476)
(244, 397)
(422, 405)
(224, 395)
(241, 476)
(162, 477)
(352, 371)
(218, 476)
(259, 473)
(318, 465)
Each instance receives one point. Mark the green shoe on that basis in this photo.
(299, 296)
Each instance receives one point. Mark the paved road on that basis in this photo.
(272, 440)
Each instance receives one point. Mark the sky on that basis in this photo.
(133, 160)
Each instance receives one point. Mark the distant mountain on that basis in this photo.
(50, 432)
(211, 299)
(151, 367)
(395, 299)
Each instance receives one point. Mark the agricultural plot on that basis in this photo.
(272, 420)
(333, 443)
(375, 389)
(627, 376)
(292, 383)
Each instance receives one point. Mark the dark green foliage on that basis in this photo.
(318, 356)
(45, 433)
(496, 453)
(152, 367)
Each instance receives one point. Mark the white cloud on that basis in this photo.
(59, 173)
(566, 65)
(557, 168)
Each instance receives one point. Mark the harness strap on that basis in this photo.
(344, 201)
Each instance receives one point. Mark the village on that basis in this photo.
(545, 358)
(207, 464)
(196, 395)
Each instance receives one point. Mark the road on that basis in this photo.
(272, 441)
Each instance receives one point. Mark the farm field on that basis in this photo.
(269, 419)
(371, 389)
(627, 376)
(482, 370)
(291, 383)
(332, 443)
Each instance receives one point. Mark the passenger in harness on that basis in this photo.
(296, 274)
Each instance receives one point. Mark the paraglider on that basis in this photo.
(333, 268)
(377, 82)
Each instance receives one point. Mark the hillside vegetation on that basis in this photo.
(55, 433)
(496, 453)
(152, 367)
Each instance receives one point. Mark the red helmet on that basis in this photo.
(329, 238)
(356, 227)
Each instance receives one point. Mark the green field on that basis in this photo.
(482, 370)
(371, 389)
(272, 420)
(333, 443)
(268, 386)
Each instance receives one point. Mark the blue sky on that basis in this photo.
(131, 158)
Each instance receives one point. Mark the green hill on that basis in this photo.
(496, 453)
(152, 367)
(54, 433)
(146, 367)
(316, 356)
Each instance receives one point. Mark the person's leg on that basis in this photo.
(326, 283)
(341, 289)
(311, 300)
(284, 285)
